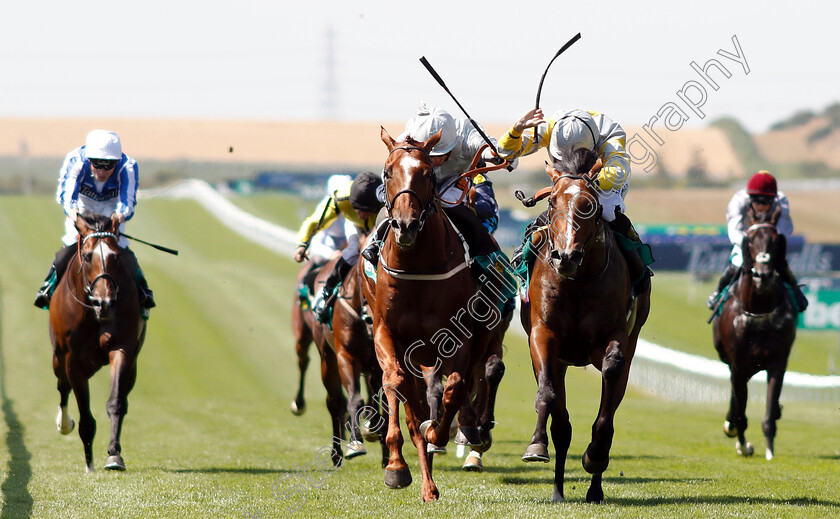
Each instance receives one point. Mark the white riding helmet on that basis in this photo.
(102, 144)
(338, 183)
(427, 122)
(573, 129)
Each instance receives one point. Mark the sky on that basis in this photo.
(359, 61)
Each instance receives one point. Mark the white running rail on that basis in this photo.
(670, 374)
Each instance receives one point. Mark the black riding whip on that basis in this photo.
(435, 75)
(158, 247)
(568, 44)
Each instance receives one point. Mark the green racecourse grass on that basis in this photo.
(209, 432)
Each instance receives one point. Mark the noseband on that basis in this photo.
(428, 207)
(104, 276)
(591, 183)
(761, 257)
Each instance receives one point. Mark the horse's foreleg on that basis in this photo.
(494, 370)
(434, 395)
(63, 422)
(350, 375)
(543, 360)
(303, 340)
(87, 424)
(775, 377)
(123, 376)
(376, 424)
(413, 407)
(615, 370)
(561, 436)
(737, 415)
(455, 400)
(395, 387)
(336, 402)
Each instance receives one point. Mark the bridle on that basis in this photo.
(596, 210)
(108, 278)
(428, 207)
(761, 257)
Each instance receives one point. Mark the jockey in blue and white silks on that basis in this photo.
(78, 189)
(99, 178)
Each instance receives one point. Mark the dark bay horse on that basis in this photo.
(356, 356)
(756, 328)
(302, 320)
(581, 312)
(426, 312)
(95, 320)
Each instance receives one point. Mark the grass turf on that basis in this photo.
(209, 433)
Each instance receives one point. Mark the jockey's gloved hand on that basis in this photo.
(489, 156)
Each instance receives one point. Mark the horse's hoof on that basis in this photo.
(66, 430)
(368, 434)
(397, 478)
(468, 436)
(431, 448)
(473, 463)
(114, 462)
(595, 495)
(595, 466)
(536, 452)
(425, 427)
(89, 469)
(729, 430)
(355, 448)
(768, 455)
(297, 411)
(744, 450)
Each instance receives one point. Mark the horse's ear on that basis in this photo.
(552, 172)
(386, 138)
(81, 224)
(429, 143)
(596, 168)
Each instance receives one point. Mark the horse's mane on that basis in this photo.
(579, 161)
(96, 222)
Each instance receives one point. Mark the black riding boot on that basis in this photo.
(59, 265)
(377, 237)
(790, 279)
(639, 273)
(725, 279)
(147, 297)
(342, 268)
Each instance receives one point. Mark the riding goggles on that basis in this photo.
(103, 163)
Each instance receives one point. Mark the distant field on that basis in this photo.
(209, 433)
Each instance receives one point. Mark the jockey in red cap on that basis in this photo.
(762, 194)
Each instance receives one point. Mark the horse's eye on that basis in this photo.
(87, 255)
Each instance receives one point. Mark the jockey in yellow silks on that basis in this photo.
(563, 133)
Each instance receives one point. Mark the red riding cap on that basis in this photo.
(762, 183)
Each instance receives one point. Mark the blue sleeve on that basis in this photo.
(485, 201)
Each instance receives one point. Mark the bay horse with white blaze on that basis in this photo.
(581, 312)
(756, 328)
(95, 320)
(422, 259)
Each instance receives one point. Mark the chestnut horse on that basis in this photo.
(756, 328)
(424, 290)
(581, 312)
(302, 320)
(95, 321)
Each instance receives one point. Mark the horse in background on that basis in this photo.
(302, 320)
(581, 312)
(95, 320)
(756, 328)
(422, 258)
(352, 335)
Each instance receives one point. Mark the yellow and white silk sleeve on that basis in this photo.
(513, 145)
